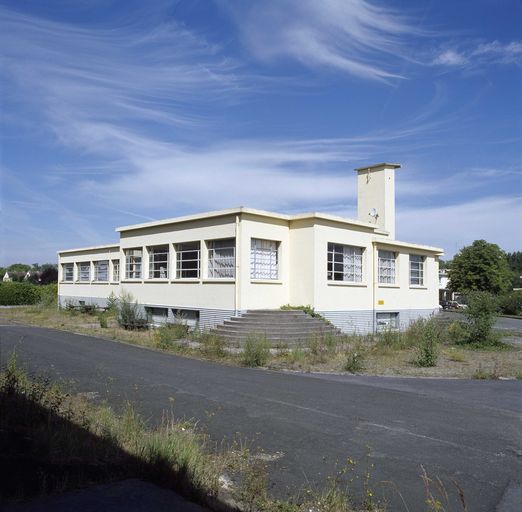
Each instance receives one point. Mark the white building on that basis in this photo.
(216, 265)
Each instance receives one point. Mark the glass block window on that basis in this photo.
(68, 271)
(133, 260)
(101, 270)
(386, 267)
(263, 259)
(84, 271)
(187, 260)
(116, 270)
(222, 258)
(345, 263)
(159, 262)
(416, 270)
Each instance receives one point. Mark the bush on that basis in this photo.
(480, 317)
(48, 294)
(129, 314)
(19, 294)
(103, 321)
(354, 361)
(390, 338)
(256, 351)
(511, 304)
(212, 345)
(166, 334)
(428, 343)
(457, 332)
(112, 303)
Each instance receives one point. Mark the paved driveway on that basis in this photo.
(469, 430)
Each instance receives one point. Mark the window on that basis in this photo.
(101, 270)
(345, 263)
(157, 316)
(159, 262)
(263, 259)
(387, 321)
(68, 271)
(133, 259)
(416, 270)
(84, 271)
(116, 270)
(386, 267)
(188, 317)
(187, 260)
(222, 258)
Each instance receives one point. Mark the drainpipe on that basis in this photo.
(374, 285)
(237, 281)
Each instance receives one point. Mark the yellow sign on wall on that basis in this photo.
(380, 302)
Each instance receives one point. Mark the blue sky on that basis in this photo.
(118, 112)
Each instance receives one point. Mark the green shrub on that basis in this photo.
(511, 303)
(88, 309)
(428, 343)
(165, 335)
(415, 332)
(19, 294)
(309, 310)
(354, 361)
(112, 303)
(457, 332)
(103, 321)
(256, 351)
(48, 295)
(212, 345)
(129, 314)
(390, 338)
(480, 319)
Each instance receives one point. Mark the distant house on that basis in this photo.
(216, 265)
(6, 278)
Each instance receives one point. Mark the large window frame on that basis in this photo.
(222, 258)
(133, 263)
(188, 260)
(84, 271)
(264, 259)
(101, 270)
(417, 263)
(159, 261)
(387, 267)
(345, 263)
(115, 271)
(68, 272)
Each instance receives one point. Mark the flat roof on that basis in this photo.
(408, 245)
(251, 211)
(93, 248)
(382, 165)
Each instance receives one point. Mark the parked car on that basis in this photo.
(444, 304)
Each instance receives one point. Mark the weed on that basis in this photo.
(167, 334)
(256, 351)
(103, 321)
(129, 314)
(212, 345)
(390, 338)
(457, 357)
(427, 349)
(484, 374)
(354, 361)
(480, 316)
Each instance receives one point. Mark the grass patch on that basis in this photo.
(53, 441)
(256, 351)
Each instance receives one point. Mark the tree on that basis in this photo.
(19, 268)
(515, 263)
(481, 266)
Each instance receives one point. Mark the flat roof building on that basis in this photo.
(216, 265)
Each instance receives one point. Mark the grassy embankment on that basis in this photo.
(415, 352)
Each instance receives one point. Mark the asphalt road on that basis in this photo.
(467, 430)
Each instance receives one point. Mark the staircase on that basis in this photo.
(277, 326)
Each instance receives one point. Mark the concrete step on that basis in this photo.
(255, 323)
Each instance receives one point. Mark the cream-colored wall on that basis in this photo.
(402, 295)
(303, 247)
(338, 295)
(376, 189)
(256, 293)
(302, 266)
(101, 289)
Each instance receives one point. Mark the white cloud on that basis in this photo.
(450, 58)
(481, 54)
(358, 37)
(495, 219)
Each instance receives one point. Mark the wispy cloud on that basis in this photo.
(130, 73)
(358, 37)
(480, 54)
